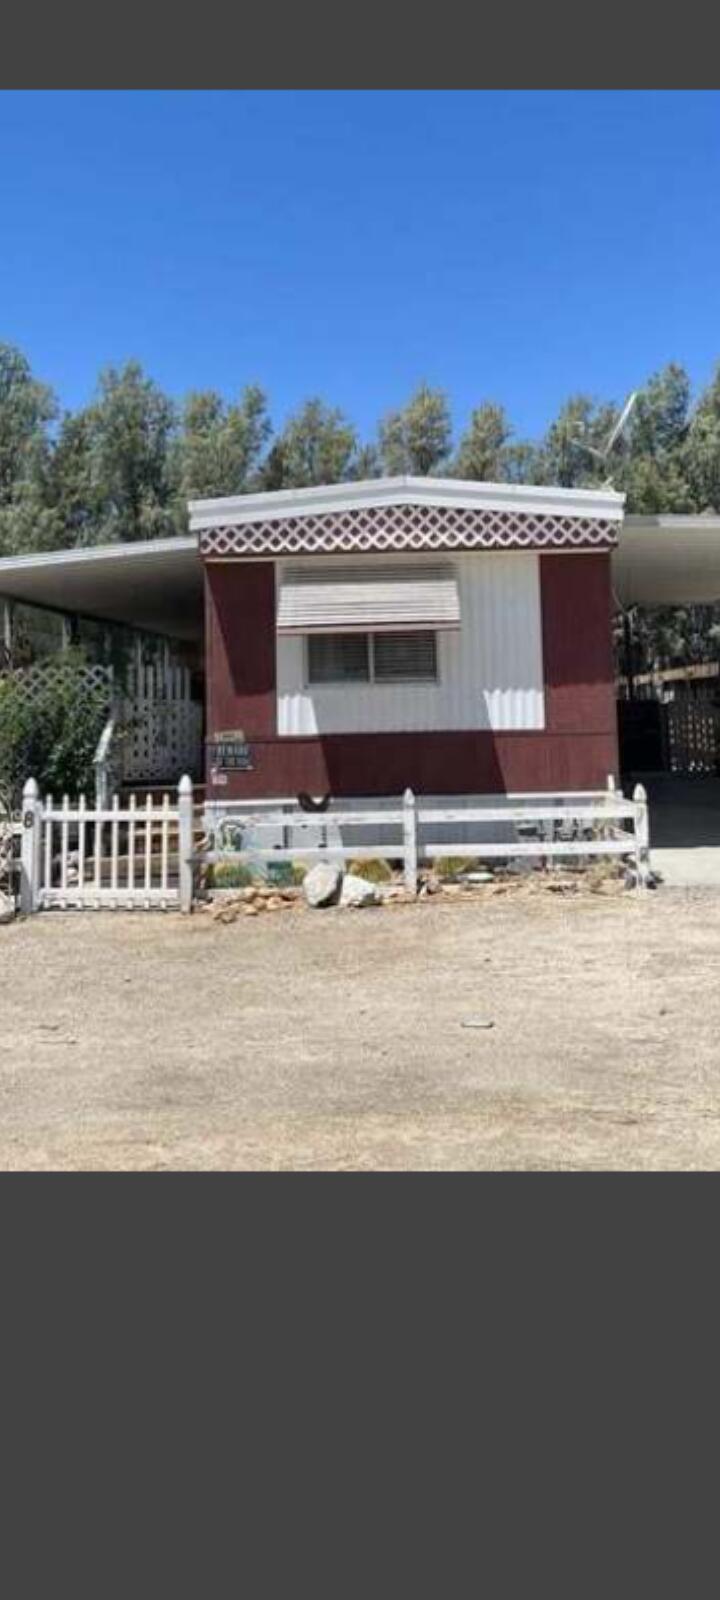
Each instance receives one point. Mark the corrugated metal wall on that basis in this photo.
(490, 672)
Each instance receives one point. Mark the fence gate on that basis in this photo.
(76, 856)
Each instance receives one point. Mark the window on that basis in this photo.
(372, 657)
(404, 657)
(338, 658)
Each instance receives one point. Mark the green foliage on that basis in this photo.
(317, 445)
(453, 866)
(522, 462)
(129, 429)
(651, 465)
(418, 438)
(373, 871)
(220, 445)
(283, 874)
(367, 463)
(702, 453)
(581, 421)
(231, 875)
(481, 450)
(26, 409)
(51, 733)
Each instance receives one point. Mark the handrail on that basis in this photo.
(102, 763)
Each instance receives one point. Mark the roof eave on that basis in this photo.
(275, 505)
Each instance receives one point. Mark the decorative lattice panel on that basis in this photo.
(162, 740)
(693, 736)
(365, 530)
(44, 676)
(162, 733)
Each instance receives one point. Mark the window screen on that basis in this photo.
(404, 657)
(338, 658)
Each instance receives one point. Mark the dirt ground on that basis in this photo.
(335, 1039)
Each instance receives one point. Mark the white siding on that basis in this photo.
(490, 673)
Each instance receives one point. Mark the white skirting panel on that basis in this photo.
(490, 672)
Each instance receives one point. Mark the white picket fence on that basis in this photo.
(140, 856)
(540, 827)
(85, 857)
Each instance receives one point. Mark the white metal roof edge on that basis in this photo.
(274, 505)
(141, 549)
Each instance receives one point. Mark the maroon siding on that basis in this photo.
(577, 643)
(431, 763)
(240, 648)
(576, 751)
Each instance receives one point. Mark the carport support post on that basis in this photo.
(185, 842)
(30, 848)
(410, 840)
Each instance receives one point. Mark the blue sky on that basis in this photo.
(512, 245)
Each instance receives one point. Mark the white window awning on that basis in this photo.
(368, 599)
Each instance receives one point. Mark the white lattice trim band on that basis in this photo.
(408, 527)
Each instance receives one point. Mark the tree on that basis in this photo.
(702, 451)
(73, 487)
(220, 445)
(316, 446)
(581, 421)
(27, 408)
(659, 421)
(523, 462)
(480, 453)
(367, 463)
(651, 465)
(417, 438)
(119, 455)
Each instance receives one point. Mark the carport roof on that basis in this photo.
(157, 584)
(664, 561)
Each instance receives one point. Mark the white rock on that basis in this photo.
(321, 885)
(7, 908)
(357, 892)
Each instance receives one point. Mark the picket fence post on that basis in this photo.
(30, 848)
(642, 833)
(185, 842)
(410, 840)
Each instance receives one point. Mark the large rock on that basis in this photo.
(7, 908)
(357, 892)
(321, 885)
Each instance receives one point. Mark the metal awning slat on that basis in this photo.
(363, 599)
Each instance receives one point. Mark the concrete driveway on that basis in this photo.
(684, 829)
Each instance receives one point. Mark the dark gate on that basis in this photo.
(692, 736)
(682, 737)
